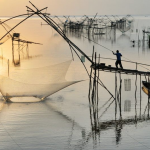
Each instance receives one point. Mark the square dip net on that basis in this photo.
(36, 82)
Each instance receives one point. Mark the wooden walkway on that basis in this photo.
(118, 70)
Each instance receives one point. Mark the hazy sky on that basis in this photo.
(78, 7)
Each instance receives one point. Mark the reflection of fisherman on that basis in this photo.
(118, 61)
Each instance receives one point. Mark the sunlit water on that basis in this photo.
(62, 121)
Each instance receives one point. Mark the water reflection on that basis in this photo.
(44, 125)
(98, 126)
(72, 134)
(127, 105)
(114, 124)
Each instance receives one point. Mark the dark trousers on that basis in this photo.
(118, 62)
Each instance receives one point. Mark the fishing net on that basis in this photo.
(41, 75)
(38, 82)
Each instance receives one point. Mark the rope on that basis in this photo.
(97, 43)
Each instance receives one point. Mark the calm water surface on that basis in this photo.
(62, 120)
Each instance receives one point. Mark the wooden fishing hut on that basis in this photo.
(17, 47)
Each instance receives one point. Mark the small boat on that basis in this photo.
(146, 87)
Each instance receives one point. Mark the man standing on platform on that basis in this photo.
(118, 61)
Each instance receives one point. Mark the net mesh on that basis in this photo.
(38, 82)
(41, 75)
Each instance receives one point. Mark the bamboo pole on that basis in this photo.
(90, 86)
(115, 94)
(135, 95)
(91, 76)
(97, 88)
(94, 94)
(140, 96)
(120, 95)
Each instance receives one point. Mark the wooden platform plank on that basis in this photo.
(118, 70)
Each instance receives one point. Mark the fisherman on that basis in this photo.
(118, 61)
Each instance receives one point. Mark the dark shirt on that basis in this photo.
(118, 55)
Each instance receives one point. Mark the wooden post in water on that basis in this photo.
(135, 95)
(140, 96)
(115, 94)
(98, 77)
(97, 90)
(120, 95)
(95, 78)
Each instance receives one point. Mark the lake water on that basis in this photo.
(62, 120)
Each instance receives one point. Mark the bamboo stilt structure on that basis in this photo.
(140, 95)
(115, 95)
(135, 95)
(120, 96)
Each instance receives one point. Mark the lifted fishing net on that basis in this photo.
(42, 75)
(52, 78)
